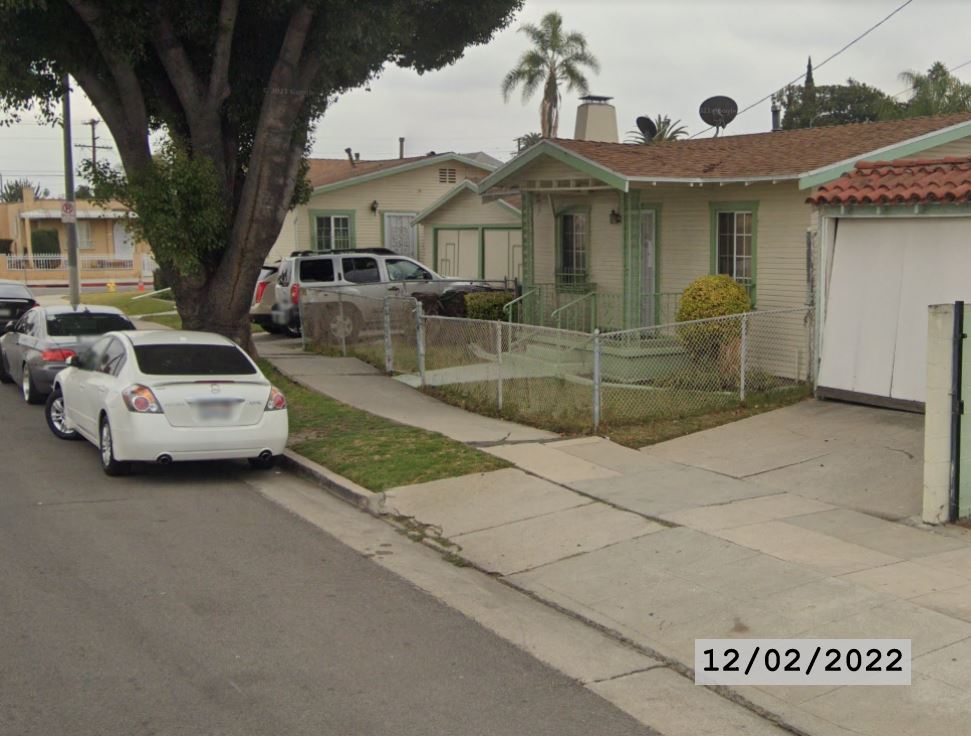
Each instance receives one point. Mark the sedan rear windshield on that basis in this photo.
(13, 291)
(85, 323)
(193, 360)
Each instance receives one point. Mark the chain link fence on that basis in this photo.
(569, 380)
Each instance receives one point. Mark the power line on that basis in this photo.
(825, 61)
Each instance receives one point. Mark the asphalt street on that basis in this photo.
(180, 601)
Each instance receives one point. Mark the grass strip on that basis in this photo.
(372, 451)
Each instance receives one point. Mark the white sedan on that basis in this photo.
(163, 396)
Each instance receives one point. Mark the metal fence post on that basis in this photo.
(596, 379)
(388, 350)
(420, 340)
(499, 364)
(343, 332)
(303, 325)
(742, 361)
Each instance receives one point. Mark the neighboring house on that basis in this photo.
(367, 204)
(635, 224)
(467, 237)
(33, 241)
(896, 238)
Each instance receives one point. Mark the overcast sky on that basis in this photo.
(656, 56)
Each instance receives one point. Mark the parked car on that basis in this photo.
(15, 299)
(360, 272)
(34, 348)
(264, 296)
(168, 395)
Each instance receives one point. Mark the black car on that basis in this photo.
(36, 347)
(15, 299)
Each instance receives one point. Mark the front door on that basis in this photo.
(124, 245)
(399, 234)
(648, 277)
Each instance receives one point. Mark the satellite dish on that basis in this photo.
(647, 127)
(718, 111)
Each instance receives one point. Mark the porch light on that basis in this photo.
(615, 217)
(374, 206)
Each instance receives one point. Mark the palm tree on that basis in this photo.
(667, 130)
(556, 58)
(936, 92)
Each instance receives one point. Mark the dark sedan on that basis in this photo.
(34, 348)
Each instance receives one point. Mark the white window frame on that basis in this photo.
(736, 237)
(85, 239)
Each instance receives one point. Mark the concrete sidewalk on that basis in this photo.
(661, 552)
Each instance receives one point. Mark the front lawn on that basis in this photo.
(146, 308)
(370, 450)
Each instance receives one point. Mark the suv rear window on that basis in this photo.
(193, 360)
(317, 269)
(85, 323)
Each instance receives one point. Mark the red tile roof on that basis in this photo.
(784, 153)
(917, 181)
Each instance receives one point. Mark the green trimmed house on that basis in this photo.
(613, 233)
(371, 203)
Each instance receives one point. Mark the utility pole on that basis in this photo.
(94, 142)
(70, 222)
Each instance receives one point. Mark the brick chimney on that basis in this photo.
(596, 120)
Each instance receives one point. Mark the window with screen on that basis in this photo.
(734, 245)
(333, 232)
(85, 241)
(573, 248)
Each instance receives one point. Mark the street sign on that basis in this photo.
(68, 212)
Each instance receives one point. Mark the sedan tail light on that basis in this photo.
(295, 294)
(141, 400)
(276, 401)
(57, 355)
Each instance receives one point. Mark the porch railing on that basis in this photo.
(86, 262)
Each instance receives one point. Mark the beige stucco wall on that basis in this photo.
(409, 191)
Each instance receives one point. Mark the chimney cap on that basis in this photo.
(596, 99)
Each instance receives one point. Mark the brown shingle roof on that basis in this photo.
(787, 153)
(900, 182)
(332, 170)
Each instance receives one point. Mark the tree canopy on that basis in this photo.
(13, 190)
(556, 58)
(235, 86)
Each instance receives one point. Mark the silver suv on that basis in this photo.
(367, 272)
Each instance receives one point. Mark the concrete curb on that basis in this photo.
(337, 485)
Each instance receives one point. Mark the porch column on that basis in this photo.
(630, 202)
(528, 259)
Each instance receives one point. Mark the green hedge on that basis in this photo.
(45, 243)
(487, 304)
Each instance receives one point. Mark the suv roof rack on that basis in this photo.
(372, 251)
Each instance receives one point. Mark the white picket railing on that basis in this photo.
(87, 262)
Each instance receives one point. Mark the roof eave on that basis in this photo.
(563, 155)
(899, 150)
(392, 170)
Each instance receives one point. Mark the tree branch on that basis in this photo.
(177, 66)
(219, 76)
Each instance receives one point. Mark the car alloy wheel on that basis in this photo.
(31, 396)
(56, 417)
(107, 447)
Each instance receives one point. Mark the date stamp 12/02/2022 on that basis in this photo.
(802, 661)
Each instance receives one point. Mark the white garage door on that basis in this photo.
(884, 275)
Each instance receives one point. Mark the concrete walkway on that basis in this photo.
(662, 551)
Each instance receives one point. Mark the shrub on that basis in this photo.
(705, 298)
(45, 243)
(487, 304)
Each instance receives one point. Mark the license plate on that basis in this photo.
(215, 410)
